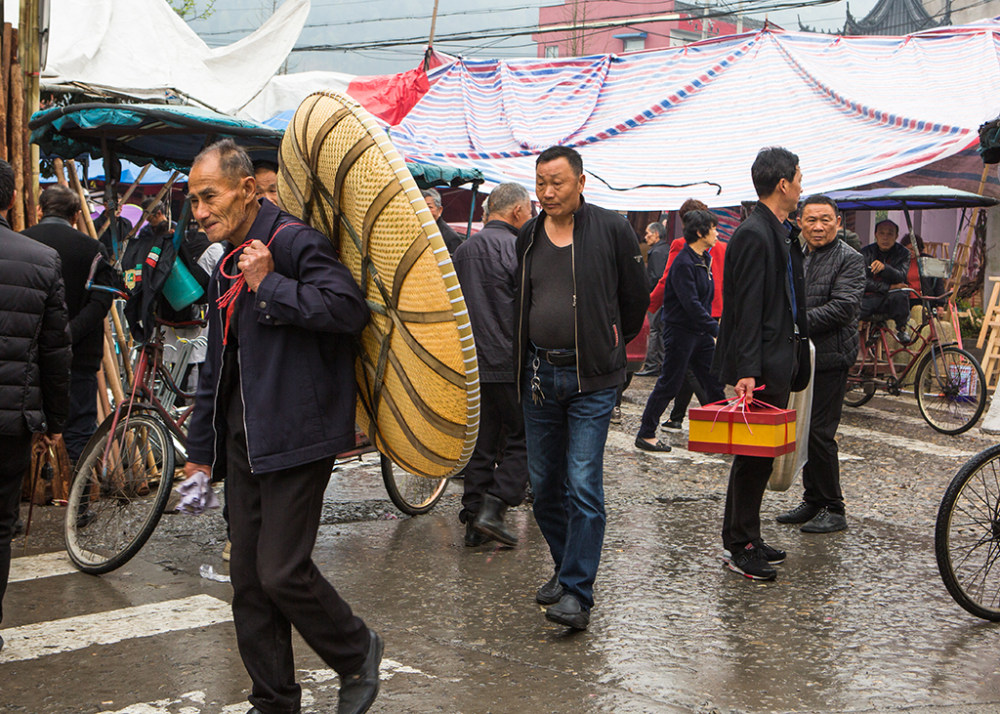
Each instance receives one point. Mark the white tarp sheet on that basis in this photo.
(142, 48)
(286, 91)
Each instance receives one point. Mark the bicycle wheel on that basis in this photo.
(411, 494)
(858, 391)
(967, 535)
(119, 491)
(950, 390)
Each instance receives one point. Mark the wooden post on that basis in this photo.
(17, 145)
(5, 54)
(30, 65)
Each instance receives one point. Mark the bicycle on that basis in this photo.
(949, 383)
(126, 472)
(967, 535)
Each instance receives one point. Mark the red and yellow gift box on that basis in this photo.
(733, 427)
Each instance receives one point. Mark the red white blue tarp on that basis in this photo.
(857, 111)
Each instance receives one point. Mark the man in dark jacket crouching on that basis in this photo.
(275, 405)
(497, 472)
(835, 282)
(35, 358)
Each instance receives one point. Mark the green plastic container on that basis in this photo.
(181, 289)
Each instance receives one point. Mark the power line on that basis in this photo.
(532, 30)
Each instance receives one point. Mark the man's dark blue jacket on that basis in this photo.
(296, 354)
(688, 293)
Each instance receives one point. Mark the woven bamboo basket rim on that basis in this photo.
(416, 370)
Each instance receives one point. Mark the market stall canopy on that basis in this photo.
(915, 198)
(388, 97)
(655, 128)
(170, 137)
(167, 136)
(143, 49)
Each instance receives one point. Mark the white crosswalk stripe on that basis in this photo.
(46, 565)
(105, 628)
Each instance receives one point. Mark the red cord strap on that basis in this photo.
(227, 301)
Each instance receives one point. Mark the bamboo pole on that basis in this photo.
(60, 170)
(111, 366)
(85, 211)
(103, 403)
(17, 144)
(122, 345)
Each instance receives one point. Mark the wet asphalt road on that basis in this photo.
(857, 621)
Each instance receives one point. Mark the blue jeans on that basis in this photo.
(565, 437)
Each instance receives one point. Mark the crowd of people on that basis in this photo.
(553, 299)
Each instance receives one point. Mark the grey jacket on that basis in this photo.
(835, 282)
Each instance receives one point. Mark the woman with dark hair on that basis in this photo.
(688, 327)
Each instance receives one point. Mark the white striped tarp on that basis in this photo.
(857, 110)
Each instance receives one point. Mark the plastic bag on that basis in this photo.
(788, 466)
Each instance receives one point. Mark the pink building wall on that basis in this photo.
(658, 35)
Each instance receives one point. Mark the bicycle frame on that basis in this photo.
(876, 357)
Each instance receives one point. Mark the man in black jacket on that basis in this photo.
(275, 405)
(582, 295)
(656, 263)
(886, 265)
(79, 253)
(835, 279)
(762, 349)
(35, 354)
(497, 472)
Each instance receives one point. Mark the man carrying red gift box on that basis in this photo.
(762, 348)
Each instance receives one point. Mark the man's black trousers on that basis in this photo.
(499, 465)
(821, 475)
(273, 519)
(82, 421)
(748, 479)
(15, 457)
(895, 304)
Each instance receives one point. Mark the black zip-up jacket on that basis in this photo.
(657, 258)
(896, 261)
(34, 338)
(757, 333)
(486, 265)
(835, 282)
(87, 308)
(296, 354)
(611, 294)
(688, 293)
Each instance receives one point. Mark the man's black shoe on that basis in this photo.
(473, 538)
(568, 612)
(826, 521)
(489, 521)
(903, 338)
(358, 691)
(551, 592)
(18, 527)
(647, 372)
(800, 514)
(255, 710)
(1, 644)
(672, 424)
(751, 563)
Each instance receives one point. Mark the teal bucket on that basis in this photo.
(181, 289)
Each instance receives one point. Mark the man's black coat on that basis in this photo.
(87, 308)
(757, 331)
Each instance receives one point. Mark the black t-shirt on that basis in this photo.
(551, 315)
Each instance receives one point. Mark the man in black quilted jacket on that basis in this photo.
(835, 282)
(34, 360)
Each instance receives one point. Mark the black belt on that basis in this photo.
(557, 358)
